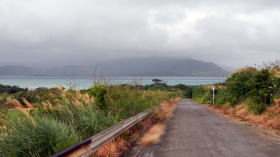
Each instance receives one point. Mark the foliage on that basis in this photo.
(202, 95)
(238, 85)
(255, 87)
(222, 96)
(255, 107)
(99, 91)
(10, 89)
(62, 118)
(38, 95)
(158, 82)
(128, 100)
(179, 90)
(186, 90)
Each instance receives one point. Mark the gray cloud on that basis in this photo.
(49, 32)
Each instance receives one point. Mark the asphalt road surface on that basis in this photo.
(194, 131)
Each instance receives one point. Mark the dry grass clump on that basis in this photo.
(60, 88)
(274, 68)
(27, 103)
(175, 100)
(275, 71)
(269, 119)
(145, 124)
(153, 135)
(113, 148)
(210, 86)
(166, 111)
(14, 102)
(25, 111)
(119, 145)
(246, 69)
(241, 110)
(227, 109)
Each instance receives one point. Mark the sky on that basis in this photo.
(231, 33)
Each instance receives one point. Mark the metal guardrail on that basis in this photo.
(90, 145)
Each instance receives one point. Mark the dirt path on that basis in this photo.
(194, 131)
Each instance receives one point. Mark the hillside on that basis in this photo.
(16, 70)
(155, 66)
(150, 66)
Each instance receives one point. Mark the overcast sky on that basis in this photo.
(52, 32)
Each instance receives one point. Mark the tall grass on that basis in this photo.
(56, 119)
(43, 139)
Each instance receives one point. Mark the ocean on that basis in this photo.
(84, 83)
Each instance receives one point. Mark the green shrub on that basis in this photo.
(257, 85)
(277, 89)
(99, 91)
(221, 97)
(237, 85)
(187, 93)
(202, 95)
(277, 94)
(10, 89)
(261, 87)
(254, 106)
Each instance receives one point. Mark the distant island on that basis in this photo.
(149, 66)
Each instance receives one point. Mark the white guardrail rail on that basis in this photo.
(90, 145)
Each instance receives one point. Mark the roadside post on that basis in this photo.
(213, 93)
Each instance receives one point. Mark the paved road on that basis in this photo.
(194, 131)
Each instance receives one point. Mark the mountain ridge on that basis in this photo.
(149, 66)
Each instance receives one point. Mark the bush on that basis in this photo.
(277, 94)
(10, 89)
(259, 86)
(221, 97)
(256, 87)
(99, 91)
(202, 95)
(237, 85)
(254, 107)
(186, 90)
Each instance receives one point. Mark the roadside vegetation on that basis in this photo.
(44, 121)
(145, 133)
(250, 93)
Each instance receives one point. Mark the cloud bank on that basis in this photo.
(60, 32)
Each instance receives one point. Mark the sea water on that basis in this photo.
(85, 82)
